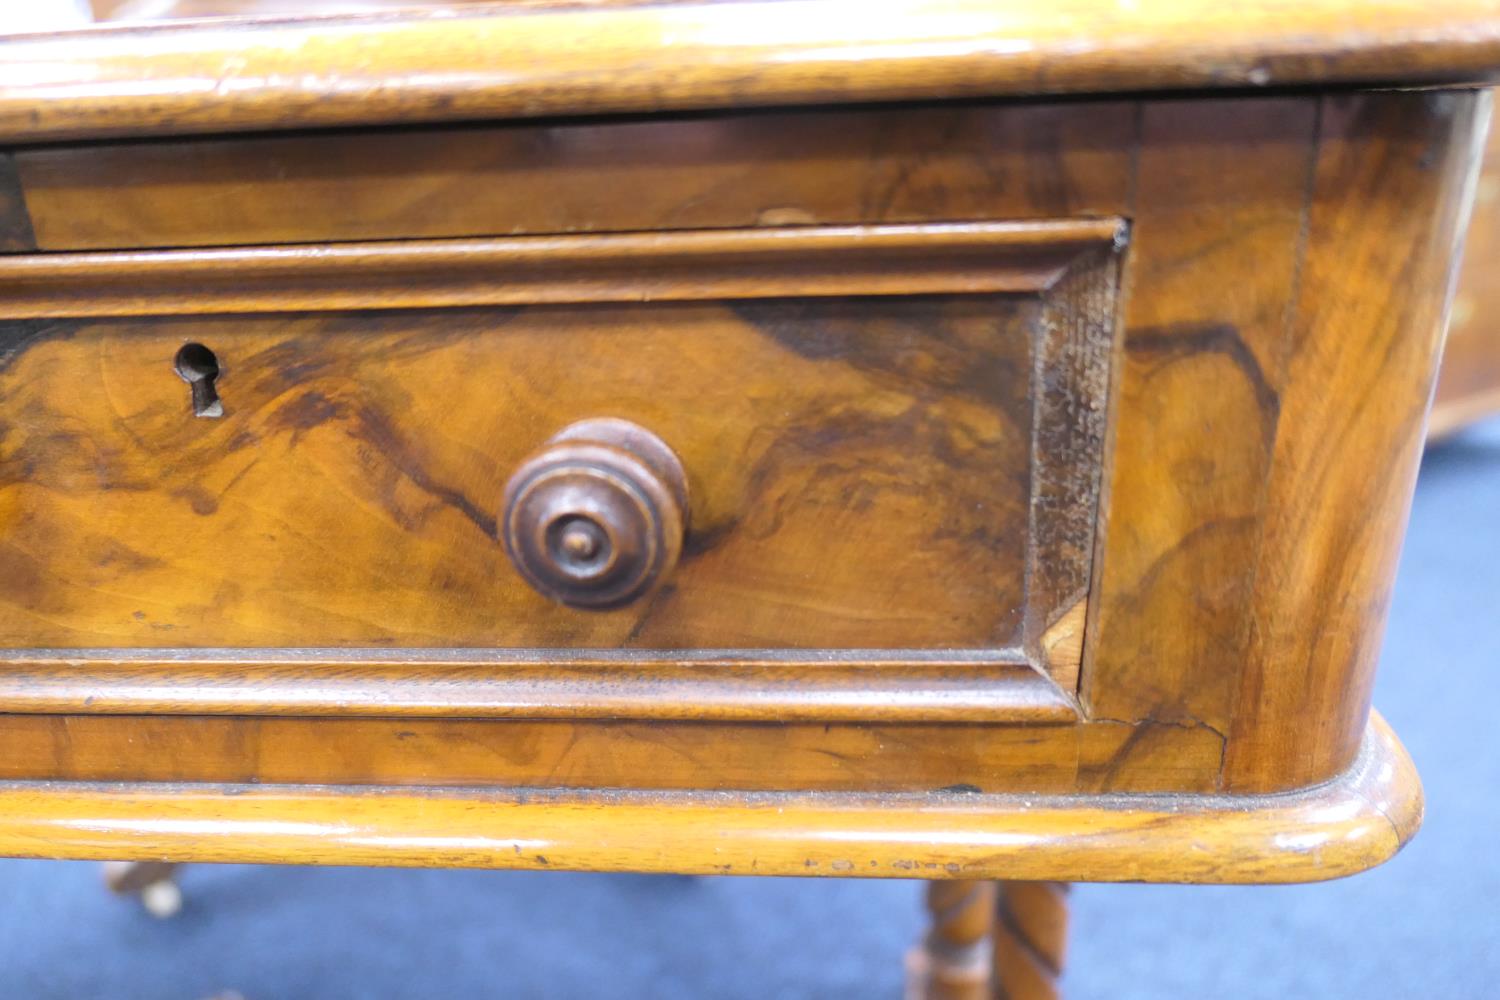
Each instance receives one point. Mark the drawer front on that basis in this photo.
(857, 474)
(891, 441)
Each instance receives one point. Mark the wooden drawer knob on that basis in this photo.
(596, 517)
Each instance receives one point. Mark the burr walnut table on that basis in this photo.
(958, 441)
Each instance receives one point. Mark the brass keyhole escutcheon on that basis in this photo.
(596, 517)
(199, 368)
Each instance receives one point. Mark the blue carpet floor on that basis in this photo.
(1425, 926)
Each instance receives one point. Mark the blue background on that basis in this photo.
(1425, 925)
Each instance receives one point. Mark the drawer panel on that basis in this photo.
(857, 474)
(891, 441)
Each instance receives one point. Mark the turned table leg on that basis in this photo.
(152, 881)
(953, 961)
(991, 940)
(1030, 938)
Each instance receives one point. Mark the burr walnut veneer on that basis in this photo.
(783, 438)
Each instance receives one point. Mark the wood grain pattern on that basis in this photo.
(1468, 387)
(990, 940)
(691, 266)
(530, 61)
(1363, 356)
(789, 168)
(321, 441)
(1046, 461)
(1228, 367)
(1334, 829)
(1214, 558)
(604, 754)
(953, 960)
(348, 496)
(1030, 940)
(1215, 254)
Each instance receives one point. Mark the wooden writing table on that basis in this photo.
(958, 441)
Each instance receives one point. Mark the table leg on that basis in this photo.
(152, 881)
(1030, 939)
(991, 941)
(953, 962)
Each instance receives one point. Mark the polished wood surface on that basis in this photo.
(1006, 749)
(448, 683)
(953, 961)
(795, 438)
(1218, 226)
(595, 518)
(1030, 940)
(618, 267)
(532, 61)
(816, 433)
(1325, 564)
(1131, 602)
(1223, 567)
(1469, 386)
(356, 503)
(784, 170)
(990, 939)
(1025, 442)
(1337, 828)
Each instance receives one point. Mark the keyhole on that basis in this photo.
(198, 367)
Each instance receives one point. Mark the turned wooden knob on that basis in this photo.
(596, 517)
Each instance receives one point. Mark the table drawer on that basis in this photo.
(955, 513)
(890, 441)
